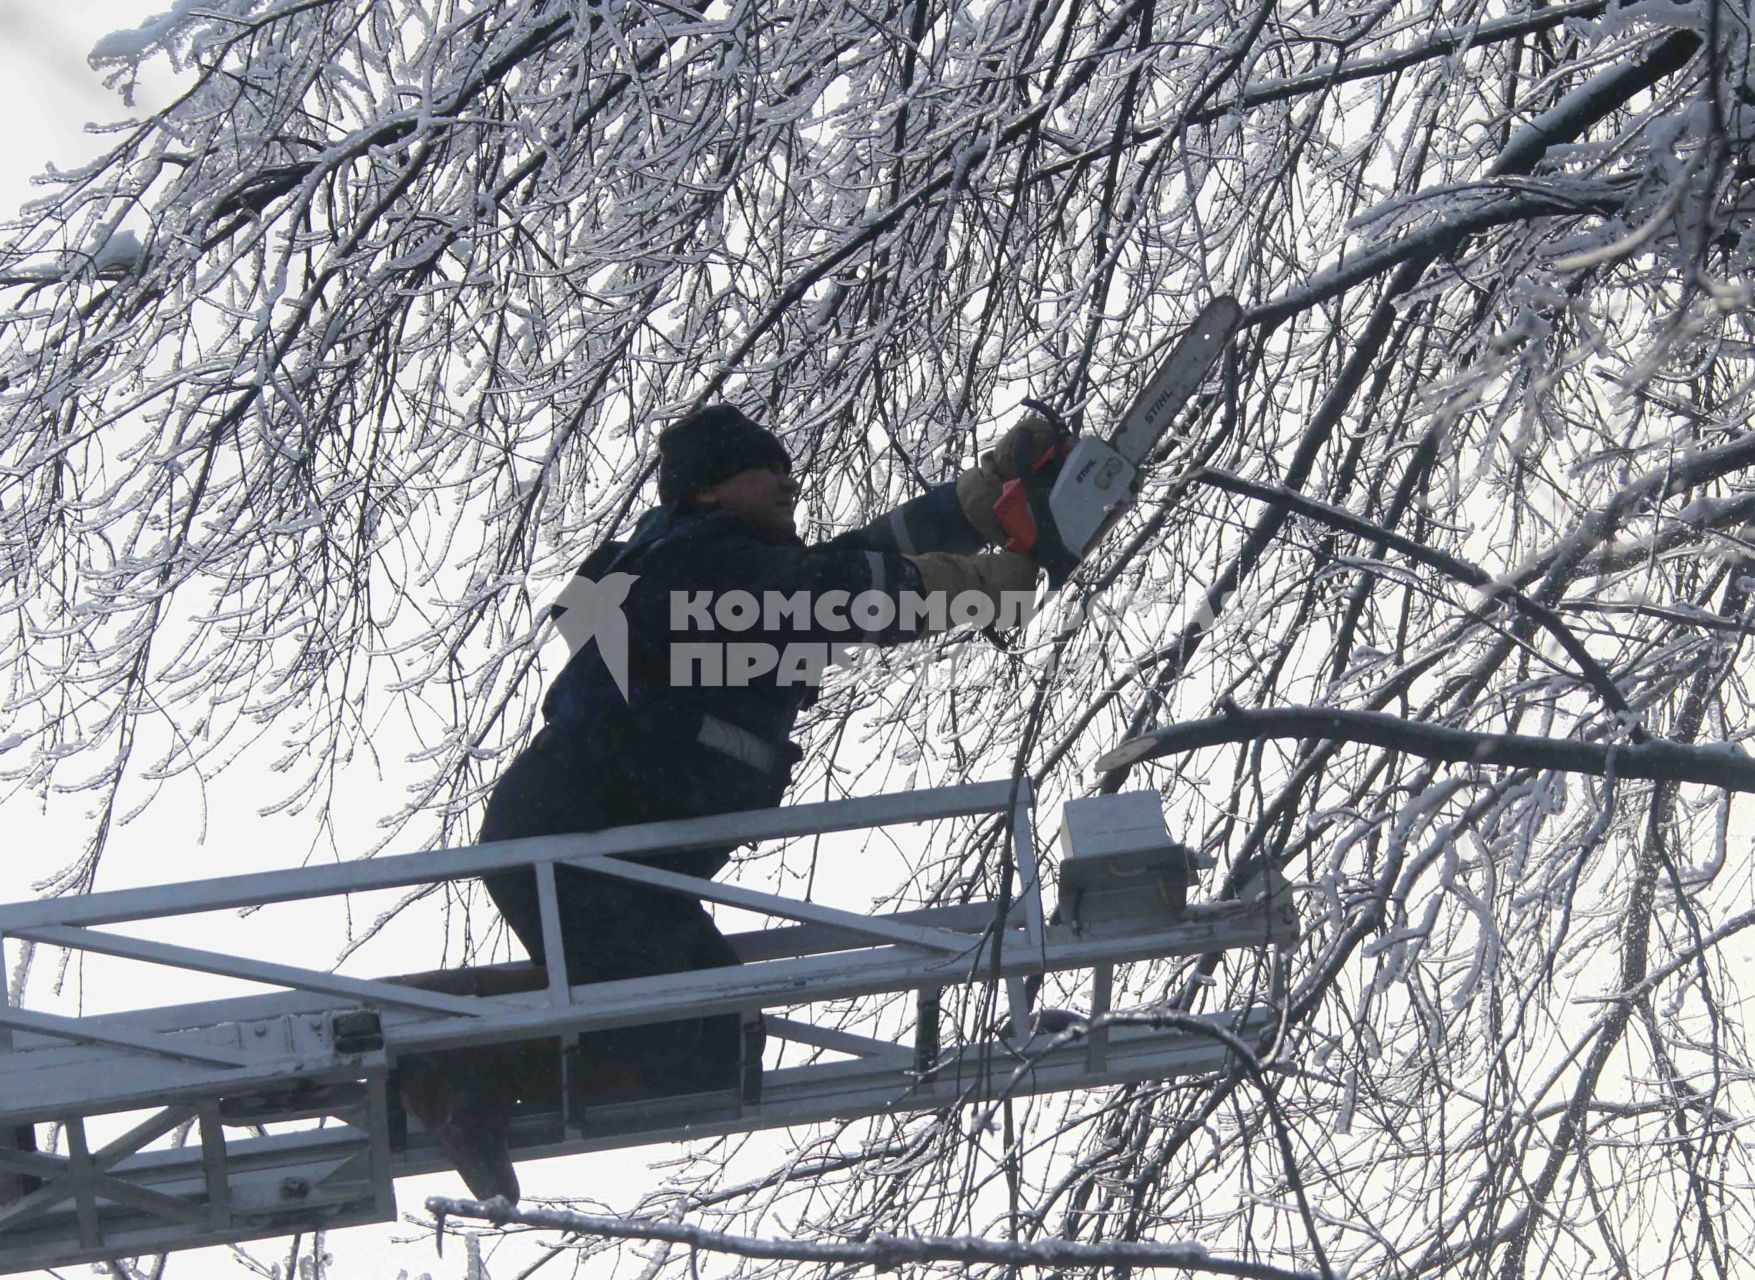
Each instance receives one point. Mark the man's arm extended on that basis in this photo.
(955, 517)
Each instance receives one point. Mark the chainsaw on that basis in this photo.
(1063, 502)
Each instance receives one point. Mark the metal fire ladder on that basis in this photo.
(265, 1115)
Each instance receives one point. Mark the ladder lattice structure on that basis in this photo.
(284, 1107)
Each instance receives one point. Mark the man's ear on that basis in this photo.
(706, 496)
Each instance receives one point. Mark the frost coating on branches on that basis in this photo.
(884, 1253)
(408, 289)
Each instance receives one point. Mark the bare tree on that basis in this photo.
(321, 379)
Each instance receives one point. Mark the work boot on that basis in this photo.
(474, 1136)
(1052, 1022)
(469, 1121)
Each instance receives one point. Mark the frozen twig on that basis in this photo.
(1444, 562)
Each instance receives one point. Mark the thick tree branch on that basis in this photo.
(1441, 44)
(1435, 240)
(1711, 766)
(883, 1253)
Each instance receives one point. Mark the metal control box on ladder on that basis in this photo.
(264, 1115)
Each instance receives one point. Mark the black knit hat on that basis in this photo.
(711, 445)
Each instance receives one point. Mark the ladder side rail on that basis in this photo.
(87, 1186)
(851, 1090)
(1013, 1062)
(872, 971)
(60, 1077)
(91, 1080)
(404, 870)
(200, 961)
(179, 1167)
(65, 921)
(757, 945)
(1138, 1052)
(731, 895)
(102, 1031)
(162, 1201)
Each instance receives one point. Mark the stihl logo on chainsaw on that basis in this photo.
(1059, 506)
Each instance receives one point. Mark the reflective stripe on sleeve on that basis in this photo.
(879, 575)
(880, 583)
(899, 531)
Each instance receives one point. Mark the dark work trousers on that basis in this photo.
(614, 929)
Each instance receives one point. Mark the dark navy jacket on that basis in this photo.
(681, 554)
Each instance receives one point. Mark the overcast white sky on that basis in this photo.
(48, 93)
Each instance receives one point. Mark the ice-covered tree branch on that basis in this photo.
(882, 1253)
(1450, 565)
(1707, 765)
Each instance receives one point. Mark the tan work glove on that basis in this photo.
(979, 487)
(989, 573)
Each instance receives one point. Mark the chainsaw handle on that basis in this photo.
(1064, 430)
(1024, 513)
(1013, 506)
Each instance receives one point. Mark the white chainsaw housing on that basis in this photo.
(1094, 483)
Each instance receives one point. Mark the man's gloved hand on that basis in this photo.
(979, 487)
(990, 573)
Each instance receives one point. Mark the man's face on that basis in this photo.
(762, 496)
